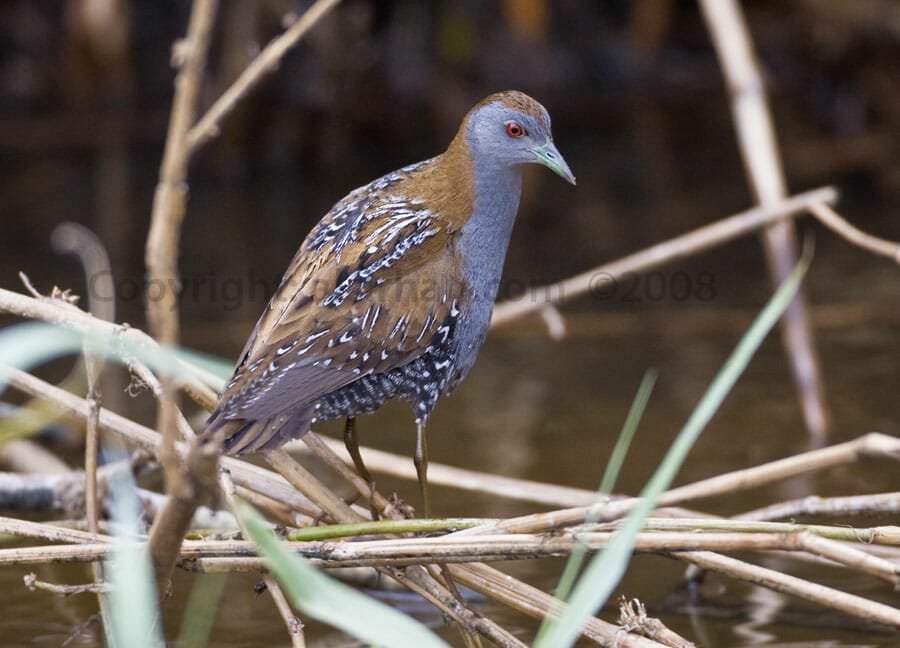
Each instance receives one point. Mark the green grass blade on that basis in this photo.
(331, 602)
(606, 569)
(133, 606)
(610, 475)
(200, 613)
(32, 343)
(629, 427)
(213, 364)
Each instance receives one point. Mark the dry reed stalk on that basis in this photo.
(266, 62)
(442, 474)
(680, 247)
(870, 504)
(195, 382)
(187, 483)
(769, 578)
(170, 198)
(889, 535)
(839, 225)
(759, 151)
(401, 552)
(873, 444)
(50, 532)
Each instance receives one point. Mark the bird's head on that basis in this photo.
(511, 128)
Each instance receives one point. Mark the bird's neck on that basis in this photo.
(478, 198)
(489, 194)
(485, 236)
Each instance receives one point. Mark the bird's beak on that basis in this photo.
(548, 155)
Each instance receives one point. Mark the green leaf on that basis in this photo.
(32, 343)
(134, 611)
(331, 602)
(605, 571)
(610, 475)
(200, 614)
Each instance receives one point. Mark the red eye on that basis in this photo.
(514, 129)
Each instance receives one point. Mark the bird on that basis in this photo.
(390, 295)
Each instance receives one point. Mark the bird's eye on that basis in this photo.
(514, 129)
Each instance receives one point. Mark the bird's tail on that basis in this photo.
(238, 436)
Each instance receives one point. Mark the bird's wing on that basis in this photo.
(368, 291)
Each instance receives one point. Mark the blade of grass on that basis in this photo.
(200, 613)
(331, 602)
(213, 364)
(629, 427)
(134, 621)
(30, 344)
(613, 466)
(605, 571)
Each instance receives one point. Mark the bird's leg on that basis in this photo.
(351, 441)
(420, 459)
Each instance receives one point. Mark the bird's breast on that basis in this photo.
(484, 240)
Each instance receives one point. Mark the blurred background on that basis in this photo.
(639, 111)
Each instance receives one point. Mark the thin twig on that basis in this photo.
(787, 584)
(189, 55)
(704, 238)
(32, 583)
(199, 384)
(185, 487)
(759, 150)
(833, 221)
(79, 241)
(872, 503)
(873, 444)
(266, 62)
(93, 365)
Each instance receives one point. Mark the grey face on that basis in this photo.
(509, 137)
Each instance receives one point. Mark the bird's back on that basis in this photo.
(365, 312)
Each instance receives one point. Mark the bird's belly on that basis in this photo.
(469, 333)
(362, 396)
(421, 382)
(424, 380)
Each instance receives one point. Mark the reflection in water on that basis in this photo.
(763, 607)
